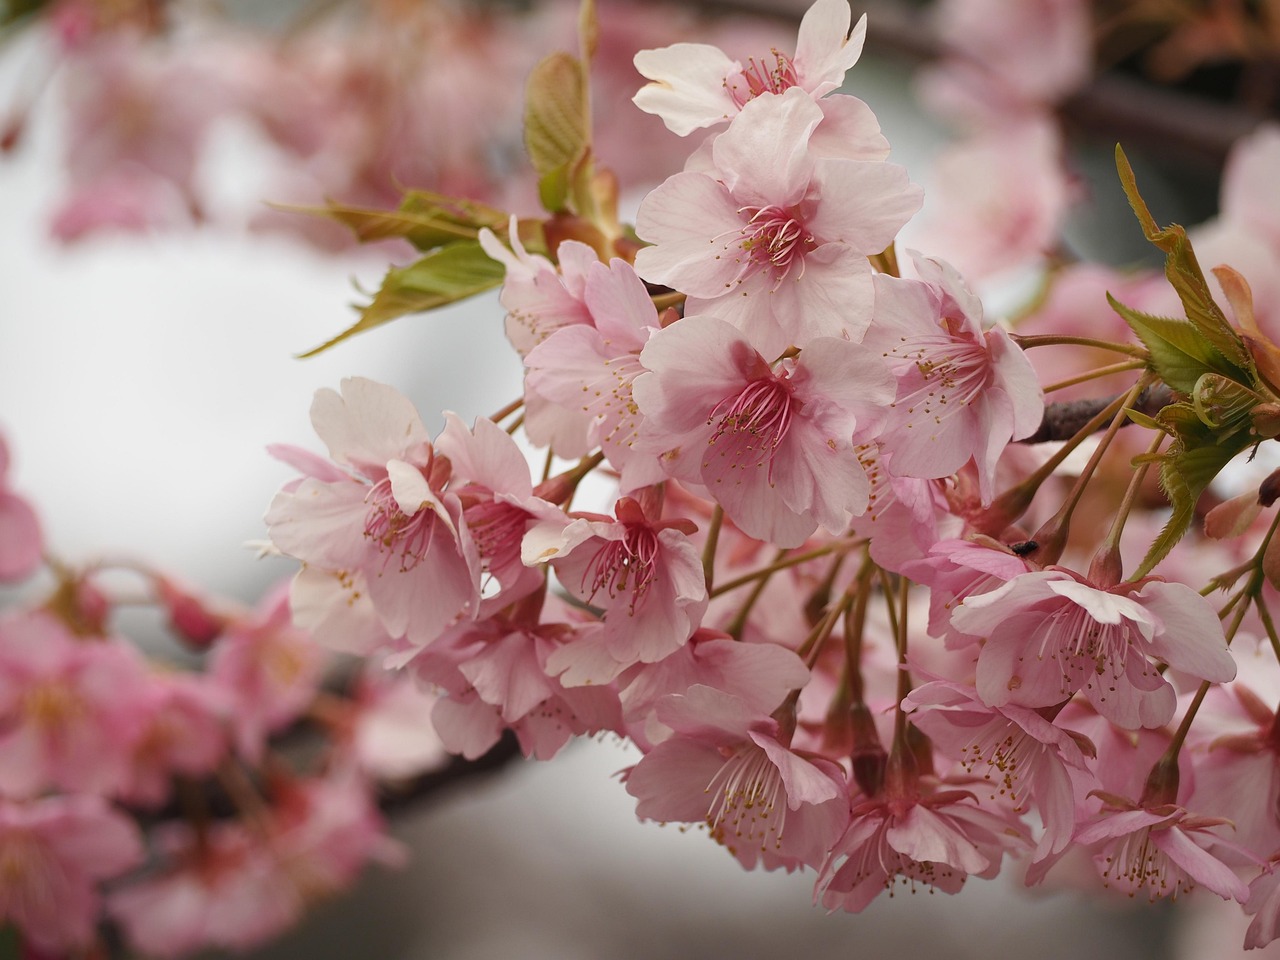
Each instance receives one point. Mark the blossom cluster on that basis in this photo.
(851, 623)
(166, 801)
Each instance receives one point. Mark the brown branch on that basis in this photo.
(1064, 419)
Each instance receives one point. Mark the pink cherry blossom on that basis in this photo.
(391, 519)
(222, 887)
(591, 367)
(730, 766)
(957, 569)
(268, 670)
(962, 392)
(21, 542)
(775, 238)
(696, 85)
(490, 477)
(643, 573)
(185, 734)
(52, 852)
(1022, 757)
(933, 838)
(1264, 906)
(1051, 633)
(774, 444)
(759, 674)
(1007, 57)
(71, 709)
(493, 675)
(998, 199)
(1157, 850)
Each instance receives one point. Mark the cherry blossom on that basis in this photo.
(644, 574)
(21, 542)
(1051, 633)
(774, 444)
(775, 238)
(730, 767)
(696, 85)
(962, 392)
(71, 709)
(52, 851)
(390, 520)
(1157, 850)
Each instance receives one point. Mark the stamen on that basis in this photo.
(396, 531)
(625, 565)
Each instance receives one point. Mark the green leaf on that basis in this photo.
(1180, 353)
(427, 220)
(1223, 405)
(446, 276)
(1198, 453)
(10, 943)
(557, 126)
(1184, 273)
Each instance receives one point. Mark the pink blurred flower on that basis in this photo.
(267, 670)
(21, 542)
(52, 852)
(71, 709)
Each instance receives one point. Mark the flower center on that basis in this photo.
(497, 528)
(948, 375)
(774, 238)
(1137, 863)
(626, 565)
(759, 77)
(751, 426)
(748, 800)
(395, 531)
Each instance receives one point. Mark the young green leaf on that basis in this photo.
(1180, 353)
(446, 276)
(557, 125)
(1184, 273)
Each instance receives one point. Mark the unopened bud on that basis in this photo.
(189, 616)
(868, 756)
(1266, 420)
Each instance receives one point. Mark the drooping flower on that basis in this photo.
(1019, 755)
(914, 834)
(730, 766)
(772, 236)
(962, 392)
(773, 444)
(1157, 850)
(696, 85)
(1051, 633)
